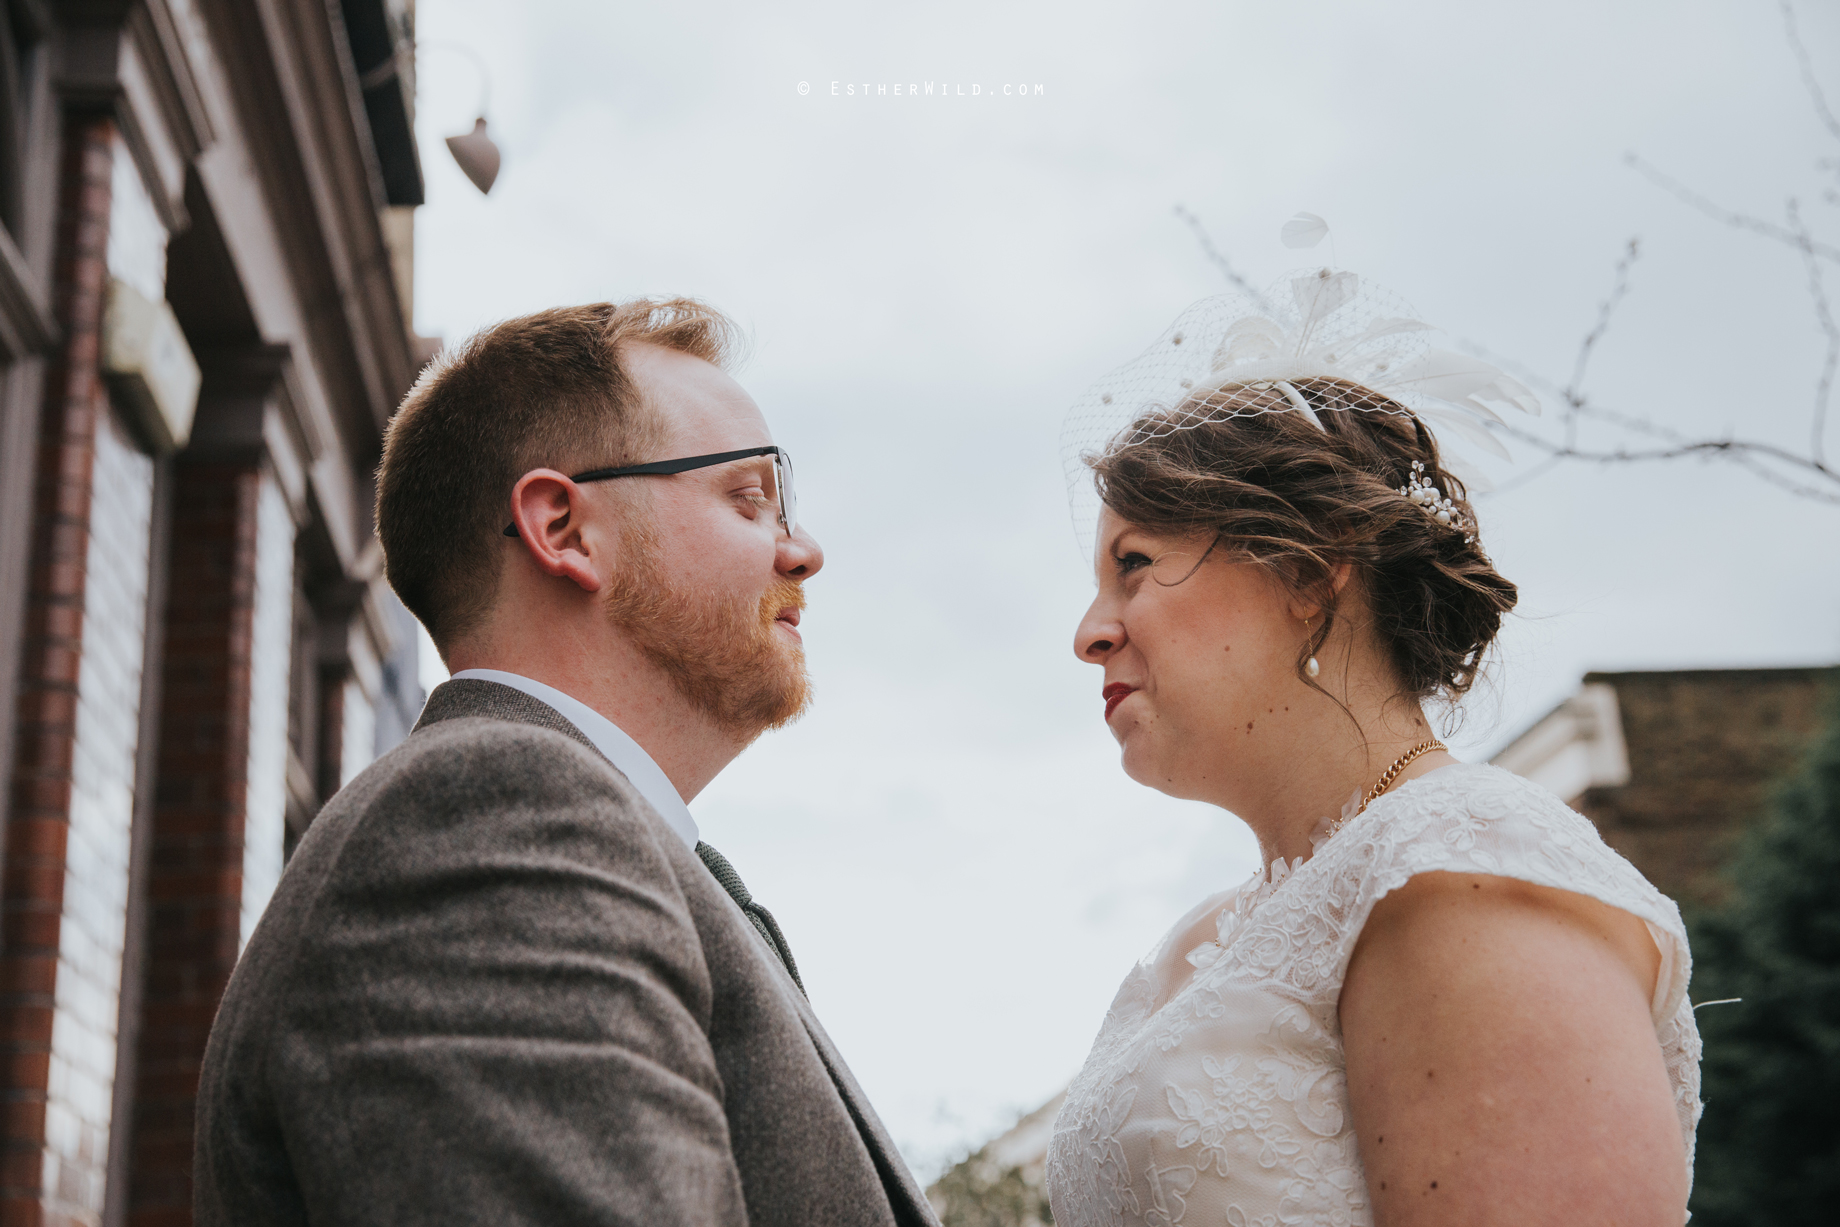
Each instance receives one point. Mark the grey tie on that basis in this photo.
(724, 873)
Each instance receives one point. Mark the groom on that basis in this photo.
(502, 980)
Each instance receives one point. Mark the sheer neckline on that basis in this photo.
(1266, 881)
(1271, 877)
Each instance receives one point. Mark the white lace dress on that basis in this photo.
(1226, 1102)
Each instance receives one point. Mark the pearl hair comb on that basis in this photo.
(1420, 490)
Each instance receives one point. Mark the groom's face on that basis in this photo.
(712, 585)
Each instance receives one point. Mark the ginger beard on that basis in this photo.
(722, 653)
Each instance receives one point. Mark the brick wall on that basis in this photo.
(1705, 748)
(195, 879)
(148, 775)
(80, 1082)
(219, 818)
(38, 830)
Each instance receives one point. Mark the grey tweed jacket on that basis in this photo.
(495, 988)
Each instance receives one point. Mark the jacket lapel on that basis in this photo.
(477, 697)
(910, 1205)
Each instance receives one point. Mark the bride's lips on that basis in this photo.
(1114, 695)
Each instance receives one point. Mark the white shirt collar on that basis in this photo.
(627, 755)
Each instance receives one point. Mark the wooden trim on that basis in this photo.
(21, 402)
(144, 79)
(284, 70)
(25, 275)
(39, 161)
(26, 324)
(153, 29)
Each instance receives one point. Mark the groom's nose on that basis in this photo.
(800, 556)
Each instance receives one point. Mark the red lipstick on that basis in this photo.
(1114, 695)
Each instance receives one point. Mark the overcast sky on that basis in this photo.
(930, 280)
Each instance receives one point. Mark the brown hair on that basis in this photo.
(1266, 482)
(542, 390)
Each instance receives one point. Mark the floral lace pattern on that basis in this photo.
(1226, 1099)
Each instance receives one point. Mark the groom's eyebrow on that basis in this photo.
(757, 466)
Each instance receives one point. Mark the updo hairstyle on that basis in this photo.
(1242, 465)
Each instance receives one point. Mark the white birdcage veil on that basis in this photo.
(1239, 355)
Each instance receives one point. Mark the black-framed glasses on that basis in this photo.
(782, 477)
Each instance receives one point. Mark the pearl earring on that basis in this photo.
(1310, 666)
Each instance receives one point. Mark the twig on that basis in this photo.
(1807, 476)
(1521, 479)
(1727, 217)
(1810, 476)
(1618, 291)
(1824, 315)
(1219, 260)
(1802, 57)
(1827, 490)
(1744, 453)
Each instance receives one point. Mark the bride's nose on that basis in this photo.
(1098, 635)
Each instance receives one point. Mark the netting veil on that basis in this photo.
(1237, 355)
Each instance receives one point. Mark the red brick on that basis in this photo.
(195, 878)
(21, 1211)
(1705, 748)
(23, 1121)
(50, 658)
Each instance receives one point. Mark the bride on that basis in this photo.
(1447, 1000)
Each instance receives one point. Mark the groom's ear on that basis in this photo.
(551, 516)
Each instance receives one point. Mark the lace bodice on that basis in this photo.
(1226, 1100)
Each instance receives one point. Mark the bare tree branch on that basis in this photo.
(1729, 217)
(1824, 488)
(1573, 395)
(1218, 258)
(1819, 481)
(1809, 477)
(1804, 476)
(1824, 316)
(1538, 471)
(1815, 93)
(1605, 309)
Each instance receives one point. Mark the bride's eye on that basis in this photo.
(1127, 563)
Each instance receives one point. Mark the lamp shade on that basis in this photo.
(477, 155)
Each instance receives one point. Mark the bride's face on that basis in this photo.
(1200, 656)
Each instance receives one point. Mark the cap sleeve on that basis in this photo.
(1483, 820)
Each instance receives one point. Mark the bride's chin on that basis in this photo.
(1137, 762)
(1171, 777)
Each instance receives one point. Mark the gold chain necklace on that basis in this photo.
(1387, 777)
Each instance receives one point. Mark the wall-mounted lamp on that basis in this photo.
(476, 152)
(477, 155)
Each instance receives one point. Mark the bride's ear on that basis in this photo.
(1309, 604)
